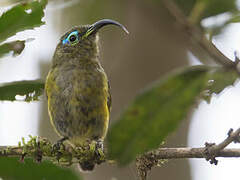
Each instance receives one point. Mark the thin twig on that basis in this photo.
(145, 162)
(198, 43)
(232, 137)
(180, 153)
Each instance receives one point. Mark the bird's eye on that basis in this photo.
(72, 38)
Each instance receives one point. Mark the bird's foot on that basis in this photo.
(39, 153)
(96, 147)
(57, 147)
(99, 144)
(59, 143)
(99, 149)
(92, 146)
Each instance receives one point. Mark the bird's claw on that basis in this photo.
(58, 144)
(99, 149)
(57, 147)
(96, 147)
(99, 144)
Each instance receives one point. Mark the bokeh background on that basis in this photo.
(153, 48)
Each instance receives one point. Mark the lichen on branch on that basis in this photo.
(40, 148)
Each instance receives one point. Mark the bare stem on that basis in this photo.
(145, 162)
(197, 42)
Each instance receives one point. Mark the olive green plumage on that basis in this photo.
(78, 92)
(79, 100)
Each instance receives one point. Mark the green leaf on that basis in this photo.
(16, 47)
(234, 19)
(211, 7)
(31, 90)
(215, 7)
(185, 5)
(21, 17)
(155, 113)
(219, 80)
(197, 10)
(11, 168)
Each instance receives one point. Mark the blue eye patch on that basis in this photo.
(71, 39)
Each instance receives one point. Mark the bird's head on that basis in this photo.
(81, 41)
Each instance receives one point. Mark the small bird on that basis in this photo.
(77, 88)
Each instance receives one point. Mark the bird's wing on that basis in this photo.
(109, 98)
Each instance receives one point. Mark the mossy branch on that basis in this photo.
(40, 148)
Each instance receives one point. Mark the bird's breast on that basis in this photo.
(78, 102)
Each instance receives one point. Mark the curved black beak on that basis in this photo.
(99, 24)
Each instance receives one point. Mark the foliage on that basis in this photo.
(31, 90)
(16, 47)
(153, 114)
(21, 17)
(11, 168)
(158, 110)
(219, 81)
(211, 7)
(197, 10)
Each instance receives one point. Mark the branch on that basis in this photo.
(200, 46)
(40, 148)
(145, 162)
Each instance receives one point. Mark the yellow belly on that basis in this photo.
(78, 108)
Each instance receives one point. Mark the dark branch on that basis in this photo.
(145, 162)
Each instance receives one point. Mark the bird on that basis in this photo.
(77, 87)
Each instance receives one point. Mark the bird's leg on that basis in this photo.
(39, 153)
(99, 144)
(57, 146)
(59, 143)
(96, 146)
(99, 148)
